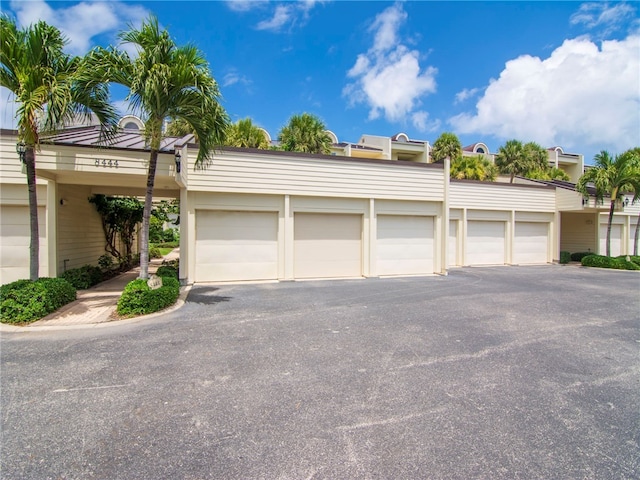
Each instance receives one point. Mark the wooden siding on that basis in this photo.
(499, 196)
(10, 165)
(578, 232)
(80, 237)
(238, 172)
(567, 200)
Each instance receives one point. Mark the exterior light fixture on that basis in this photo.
(178, 159)
(625, 202)
(21, 148)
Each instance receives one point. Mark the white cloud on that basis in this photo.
(466, 94)
(388, 77)
(602, 14)
(421, 122)
(291, 13)
(8, 109)
(281, 17)
(81, 22)
(582, 95)
(245, 5)
(233, 77)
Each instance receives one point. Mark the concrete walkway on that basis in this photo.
(96, 305)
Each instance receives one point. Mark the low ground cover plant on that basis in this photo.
(618, 263)
(25, 301)
(84, 277)
(140, 299)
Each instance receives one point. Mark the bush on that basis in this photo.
(619, 263)
(26, 301)
(167, 271)
(139, 299)
(83, 277)
(105, 262)
(578, 256)
(154, 252)
(175, 244)
(170, 235)
(632, 258)
(565, 257)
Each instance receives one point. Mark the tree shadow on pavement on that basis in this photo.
(205, 295)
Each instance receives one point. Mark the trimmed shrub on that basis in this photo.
(167, 271)
(154, 252)
(26, 301)
(172, 263)
(105, 262)
(578, 256)
(83, 277)
(619, 263)
(632, 258)
(139, 299)
(175, 244)
(565, 257)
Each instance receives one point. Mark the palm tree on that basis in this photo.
(536, 156)
(305, 133)
(245, 134)
(473, 168)
(164, 81)
(46, 85)
(511, 159)
(446, 145)
(611, 177)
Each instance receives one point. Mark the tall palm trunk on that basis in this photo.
(146, 215)
(611, 209)
(34, 245)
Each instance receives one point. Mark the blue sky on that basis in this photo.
(558, 73)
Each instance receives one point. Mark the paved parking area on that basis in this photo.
(501, 373)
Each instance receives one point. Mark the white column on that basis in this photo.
(288, 239)
(51, 230)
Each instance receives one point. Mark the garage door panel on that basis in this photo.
(452, 246)
(327, 245)
(404, 245)
(531, 243)
(485, 243)
(235, 246)
(616, 239)
(16, 237)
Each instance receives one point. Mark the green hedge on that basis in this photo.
(175, 244)
(619, 263)
(83, 277)
(139, 299)
(565, 257)
(26, 301)
(578, 256)
(167, 271)
(632, 258)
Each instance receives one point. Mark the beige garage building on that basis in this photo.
(259, 215)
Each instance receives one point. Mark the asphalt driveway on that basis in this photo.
(500, 373)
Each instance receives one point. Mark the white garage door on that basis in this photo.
(452, 246)
(531, 243)
(616, 239)
(15, 232)
(485, 243)
(327, 245)
(405, 245)
(236, 246)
